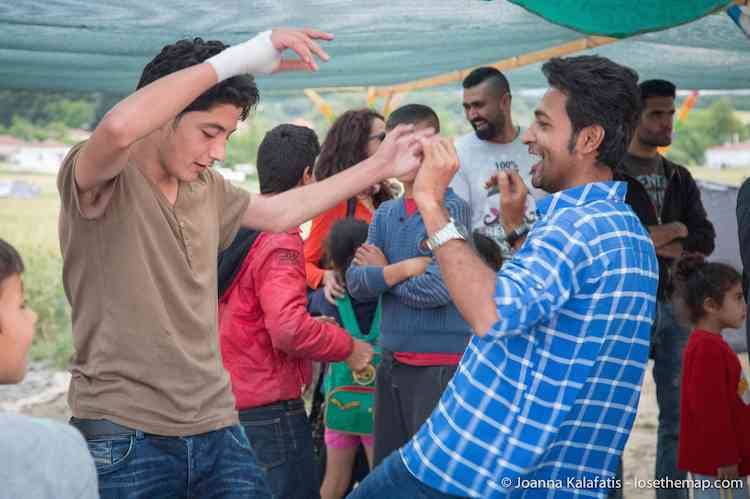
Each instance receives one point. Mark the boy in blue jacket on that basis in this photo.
(422, 333)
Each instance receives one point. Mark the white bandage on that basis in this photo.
(255, 56)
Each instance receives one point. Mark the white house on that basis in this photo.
(729, 156)
(42, 157)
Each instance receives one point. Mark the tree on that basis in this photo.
(243, 144)
(704, 128)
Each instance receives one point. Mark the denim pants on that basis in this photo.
(668, 340)
(392, 480)
(281, 437)
(215, 465)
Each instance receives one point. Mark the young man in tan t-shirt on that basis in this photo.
(143, 217)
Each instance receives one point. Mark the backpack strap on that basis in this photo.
(230, 260)
(349, 319)
(351, 207)
(350, 323)
(375, 326)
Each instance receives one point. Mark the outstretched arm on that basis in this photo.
(399, 154)
(470, 282)
(105, 154)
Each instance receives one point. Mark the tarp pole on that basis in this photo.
(503, 64)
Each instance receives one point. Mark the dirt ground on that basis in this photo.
(43, 394)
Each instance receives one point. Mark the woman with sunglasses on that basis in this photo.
(353, 137)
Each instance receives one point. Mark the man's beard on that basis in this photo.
(651, 140)
(488, 132)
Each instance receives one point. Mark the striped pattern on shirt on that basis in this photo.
(543, 404)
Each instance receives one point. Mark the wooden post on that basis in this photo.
(503, 64)
(320, 104)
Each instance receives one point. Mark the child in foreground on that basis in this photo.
(40, 458)
(714, 411)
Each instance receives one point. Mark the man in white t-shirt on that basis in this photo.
(495, 145)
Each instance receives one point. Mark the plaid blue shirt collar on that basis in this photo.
(581, 195)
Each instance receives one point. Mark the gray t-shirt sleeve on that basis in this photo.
(44, 459)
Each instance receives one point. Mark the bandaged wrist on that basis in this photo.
(255, 56)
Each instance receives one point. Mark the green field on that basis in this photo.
(31, 226)
(726, 176)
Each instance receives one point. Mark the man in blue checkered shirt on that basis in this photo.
(546, 393)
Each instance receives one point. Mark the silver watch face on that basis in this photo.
(449, 232)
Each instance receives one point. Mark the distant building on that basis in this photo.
(729, 156)
(41, 157)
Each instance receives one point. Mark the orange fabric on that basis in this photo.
(315, 242)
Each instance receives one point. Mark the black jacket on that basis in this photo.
(743, 229)
(682, 203)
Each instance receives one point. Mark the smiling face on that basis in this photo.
(486, 109)
(197, 139)
(548, 139)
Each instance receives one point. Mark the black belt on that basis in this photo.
(93, 429)
(286, 405)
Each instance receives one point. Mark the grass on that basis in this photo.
(726, 176)
(31, 226)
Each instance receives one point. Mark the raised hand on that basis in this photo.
(302, 42)
(401, 151)
(513, 194)
(439, 165)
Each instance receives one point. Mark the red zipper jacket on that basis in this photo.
(714, 421)
(267, 338)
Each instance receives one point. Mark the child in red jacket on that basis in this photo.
(268, 339)
(714, 411)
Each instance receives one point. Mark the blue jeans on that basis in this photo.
(668, 340)
(282, 440)
(391, 479)
(217, 465)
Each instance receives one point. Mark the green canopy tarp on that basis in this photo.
(620, 18)
(102, 45)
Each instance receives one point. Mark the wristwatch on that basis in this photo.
(517, 234)
(450, 231)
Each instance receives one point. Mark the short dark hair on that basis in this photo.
(239, 91)
(599, 92)
(695, 279)
(342, 242)
(10, 262)
(412, 114)
(657, 88)
(283, 155)
(495, 76)
(488, 250)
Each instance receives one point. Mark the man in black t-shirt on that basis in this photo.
(678, 224)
